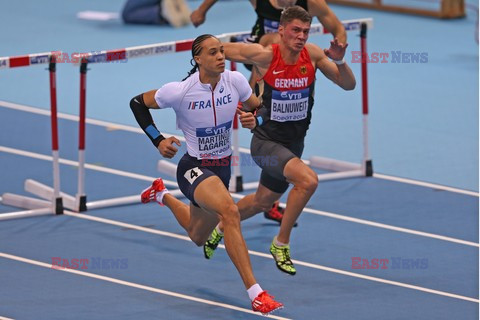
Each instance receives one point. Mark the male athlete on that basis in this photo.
(287, 93)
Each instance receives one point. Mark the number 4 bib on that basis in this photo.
(192, 174)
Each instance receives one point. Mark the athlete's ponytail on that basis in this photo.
(196, 50)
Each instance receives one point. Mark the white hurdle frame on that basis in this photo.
(54, 203)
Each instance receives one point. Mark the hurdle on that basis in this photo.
(36, 207)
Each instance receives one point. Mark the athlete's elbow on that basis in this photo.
(132, 104)
(349, 85)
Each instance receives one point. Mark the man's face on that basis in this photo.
(295, 34)
(212, 56)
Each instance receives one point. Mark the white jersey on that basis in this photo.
(204, 115)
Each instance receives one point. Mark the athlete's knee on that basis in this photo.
(308, 181)
(230, 215)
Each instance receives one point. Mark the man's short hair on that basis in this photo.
(292, 13)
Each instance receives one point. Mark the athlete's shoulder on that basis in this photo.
(170, 95)
(314, 51)
(239, 82)
(234, 76)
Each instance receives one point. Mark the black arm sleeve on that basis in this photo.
(145, 120)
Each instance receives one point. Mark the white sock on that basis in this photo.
(220, 232)
(278, 243)
(160, 195)
(254, 291)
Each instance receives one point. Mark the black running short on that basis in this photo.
(272, 157)
(191, 171)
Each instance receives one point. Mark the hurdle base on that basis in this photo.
(332, 164)
(167, 168)
(34, 207)
(81, 203)
(47, 193)
(236, 184)
(58, 206)
(123, 201)
(250, 186)
(18, 201)
(368, 168)
(26, 213)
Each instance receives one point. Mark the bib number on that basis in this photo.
(192, 174)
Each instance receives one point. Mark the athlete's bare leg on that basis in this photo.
(197, 222)
(305, 182)
(250, 205)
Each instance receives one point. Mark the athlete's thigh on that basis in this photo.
(271, 156)
(191, 173)
(212, 195)
(296, 171)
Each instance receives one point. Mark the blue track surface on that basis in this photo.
(176, 265)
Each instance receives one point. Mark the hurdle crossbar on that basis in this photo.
(55, 202)
(185, 45)
(27, 60)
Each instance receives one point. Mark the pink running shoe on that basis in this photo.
(150, 194)
(265, 304)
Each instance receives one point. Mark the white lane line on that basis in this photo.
(88, 166)
(114, 126)
(239, 196)
(379, 225)
(135, 285)
(264, 255)
(426, 184)
(389, 227)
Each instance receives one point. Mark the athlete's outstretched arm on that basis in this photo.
(198, 16)
(140, 106)
(250, 53)
(340, 73)
(149, 99)
(328, 19)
